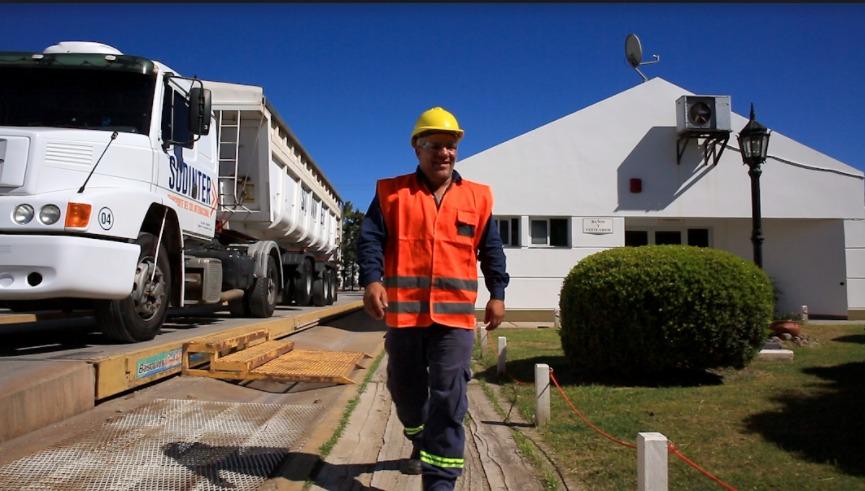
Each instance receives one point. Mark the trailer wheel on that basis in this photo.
(303, 284)
(333, 286)
(261, 299)
(139, 316)
(328, 281)
(318, 289)
(288, 290)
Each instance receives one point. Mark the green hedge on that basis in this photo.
(648, 309)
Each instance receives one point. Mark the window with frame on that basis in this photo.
(665, 237)
(698, 237)
(551, 232)
(304, 199)
(509, 230)
(175, 117)
(323, 210)
(636, 238)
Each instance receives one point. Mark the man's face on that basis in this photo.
(436, 154)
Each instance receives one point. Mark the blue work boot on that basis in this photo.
(411, 465)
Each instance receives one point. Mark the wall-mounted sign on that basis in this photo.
(597, 225)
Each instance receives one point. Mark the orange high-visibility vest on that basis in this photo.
(430, 257)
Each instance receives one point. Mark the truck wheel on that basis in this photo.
(333, 295)
(318, 290)
(139, 316)
(288, 291)
(328, 280)
(261, 299)
(303, 284)
(238, 307)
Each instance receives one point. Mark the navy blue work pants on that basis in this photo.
(427, 373)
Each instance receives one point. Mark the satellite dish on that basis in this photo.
(634, 54)
(633, 50)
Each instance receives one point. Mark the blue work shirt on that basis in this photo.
(373, 236)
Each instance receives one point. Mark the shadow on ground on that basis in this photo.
(827, 428)
(523, 371)
(852, 338)
(217, 463)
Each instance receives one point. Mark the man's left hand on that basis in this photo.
(495, 313)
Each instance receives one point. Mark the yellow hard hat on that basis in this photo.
(436, 119)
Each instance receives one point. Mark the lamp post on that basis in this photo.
(754, 142)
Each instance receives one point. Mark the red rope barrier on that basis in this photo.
(675, 451)
(671, 447)
(585, 419)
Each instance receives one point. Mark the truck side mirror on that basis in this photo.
(199, 110)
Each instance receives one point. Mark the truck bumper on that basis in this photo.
(34, 267)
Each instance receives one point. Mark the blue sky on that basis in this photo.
(350, 79)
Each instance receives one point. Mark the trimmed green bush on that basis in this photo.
(637, 310)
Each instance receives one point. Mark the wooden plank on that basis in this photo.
(474, 477)
(502, 465)
(352, 461)
(396, 447)
(225, 342)
(252, 357)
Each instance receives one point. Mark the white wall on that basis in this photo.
(854, 233)
(805, 259)
(537, 272)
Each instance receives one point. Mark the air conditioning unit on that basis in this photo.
(703, 114)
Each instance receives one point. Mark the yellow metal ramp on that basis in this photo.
(254, 356)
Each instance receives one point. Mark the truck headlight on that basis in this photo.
(49, 214)
(23, 214)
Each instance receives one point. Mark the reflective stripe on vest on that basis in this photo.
(401, 307)
(430, 272)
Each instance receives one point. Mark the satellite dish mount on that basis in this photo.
(634, 54)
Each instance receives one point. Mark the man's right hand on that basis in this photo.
(375, 300)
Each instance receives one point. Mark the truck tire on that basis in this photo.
(318, 290)
(328, 281)
(303, 283)
(139, 316)
(261, 299)
(289, 288)
(333, 295)
(239, 306)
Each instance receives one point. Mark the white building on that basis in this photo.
(564, 191)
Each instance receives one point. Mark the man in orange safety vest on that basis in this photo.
(418, 250)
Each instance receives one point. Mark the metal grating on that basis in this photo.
(313, 366)
(169, 445)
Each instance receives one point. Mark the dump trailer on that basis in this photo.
(128, 188)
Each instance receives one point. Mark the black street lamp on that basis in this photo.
(754, 142)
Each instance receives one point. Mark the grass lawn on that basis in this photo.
(772, 425)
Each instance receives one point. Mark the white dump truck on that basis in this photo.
(128, 188)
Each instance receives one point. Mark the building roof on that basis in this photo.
(582, 163)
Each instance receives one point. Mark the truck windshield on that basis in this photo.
(76, 98)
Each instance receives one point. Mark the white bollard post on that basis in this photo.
(542, 394)
(482, 333)
(503, 347)
(804, 313)
(651, 462)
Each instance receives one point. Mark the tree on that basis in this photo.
(351, 219)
